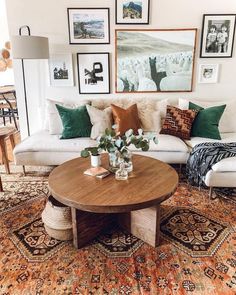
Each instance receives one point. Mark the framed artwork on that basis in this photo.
(133, 12)
(208, 73)
(89, 25)
(61, 70)
(155, 60)
(217, 35)
(93, 73)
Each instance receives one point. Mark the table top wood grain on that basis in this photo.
(151, 182)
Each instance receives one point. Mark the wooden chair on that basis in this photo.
(8, 105)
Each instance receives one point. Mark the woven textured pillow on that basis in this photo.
(178, 122)
(126, 119)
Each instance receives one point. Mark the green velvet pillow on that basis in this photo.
(76, 122)
(207, 121)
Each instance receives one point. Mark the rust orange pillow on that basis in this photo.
(178, 122)
(126, 119)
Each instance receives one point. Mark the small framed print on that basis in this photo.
(89, 25)
(208, 73)
(61, 70)
(93, 73)
(133, 12)
(217, 35)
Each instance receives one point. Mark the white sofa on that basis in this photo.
(43, 148)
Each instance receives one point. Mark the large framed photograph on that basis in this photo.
(217, 35)
(89, 25)
(93, 73)
(132, 12)
(208, 73)
(61, 70)
(155, 60)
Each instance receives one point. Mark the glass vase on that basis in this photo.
(117, 157)
(122, 173)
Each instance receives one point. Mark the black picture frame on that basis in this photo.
(72, 42)
(133, 23)
(205, 29)
(107, 54)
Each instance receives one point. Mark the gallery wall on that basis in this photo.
(49, 18)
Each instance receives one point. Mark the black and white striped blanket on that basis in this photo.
(204, 156)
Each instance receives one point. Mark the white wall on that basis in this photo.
(49, 18)
(7, 77)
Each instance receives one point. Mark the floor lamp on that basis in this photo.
(28, 47)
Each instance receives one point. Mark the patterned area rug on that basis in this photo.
(197, 253)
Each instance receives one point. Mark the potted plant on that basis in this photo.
(94, 152)
(118, 146)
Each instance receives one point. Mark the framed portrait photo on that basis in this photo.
(132, 12)
(155, 60)
(218, 32)
(208, 73)
(89, 25)
(93, 73)
(61, 70)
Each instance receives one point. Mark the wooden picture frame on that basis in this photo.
(89, 25)
(217, 39)
(135, 12)
(94, 72)
(149, 60)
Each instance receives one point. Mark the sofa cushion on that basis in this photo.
(100, 119)
(227, 123)
(225, 138)
(42, 141)
(166, 143)
(225, 165)
(126, 119)
(52, 115)
(178, 122)
(76, 122)
(207, 121)
(146, 109)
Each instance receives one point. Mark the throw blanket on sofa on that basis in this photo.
(204, 156)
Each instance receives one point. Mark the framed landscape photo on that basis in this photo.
(89, 25)
(93, 73)
(208, 73)
(155, 60)
(132, 12)
(61, 70)
(218, 32)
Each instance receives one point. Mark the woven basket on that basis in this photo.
(57, 220)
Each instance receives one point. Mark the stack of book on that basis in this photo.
(98, 172)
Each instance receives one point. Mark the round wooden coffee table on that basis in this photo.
(97, 203)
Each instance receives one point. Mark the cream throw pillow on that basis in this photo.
(54, 120)
(100, 119)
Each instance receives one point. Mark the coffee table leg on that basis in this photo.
(87, 226)
(144, 224)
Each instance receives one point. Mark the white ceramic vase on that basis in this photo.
(96, 161)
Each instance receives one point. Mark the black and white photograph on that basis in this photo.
(218, 35)
(132, 11)
(61, 70)
(93, 73)
(89, 25)
(155, 60)
(208, 73)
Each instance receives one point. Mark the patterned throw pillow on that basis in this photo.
(178, 122)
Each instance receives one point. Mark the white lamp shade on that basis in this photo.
(30, 47)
